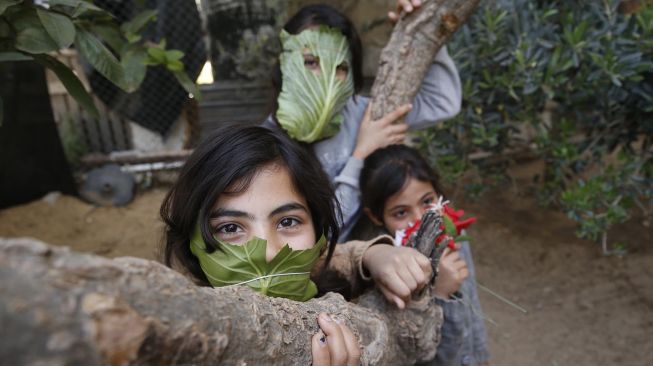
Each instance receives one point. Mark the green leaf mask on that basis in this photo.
(310, 105)
(287, 275)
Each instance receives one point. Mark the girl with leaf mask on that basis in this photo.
(319, 74)
(253, 208)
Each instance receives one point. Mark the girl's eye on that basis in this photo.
(288, 222)
(311, 62)
(429, 201)
(343, 68)
(399, 214)
(228, 229)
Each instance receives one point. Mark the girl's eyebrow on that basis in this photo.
(398, 207)
(222, 212)
(288, 207)
(427, 194)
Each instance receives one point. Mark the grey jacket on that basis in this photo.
(438, 99)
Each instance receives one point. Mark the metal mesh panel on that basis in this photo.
(160, 115)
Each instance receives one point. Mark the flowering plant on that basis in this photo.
(451, 226)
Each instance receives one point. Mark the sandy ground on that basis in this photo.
(583, 308)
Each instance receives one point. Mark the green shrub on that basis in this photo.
(570, 81)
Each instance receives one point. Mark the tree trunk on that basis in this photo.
(59, 307)
(409, 53)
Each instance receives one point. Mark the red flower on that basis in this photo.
(454, 217)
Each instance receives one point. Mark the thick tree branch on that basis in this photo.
(71, 308)
(414, 42)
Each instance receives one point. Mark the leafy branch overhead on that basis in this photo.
(30, 32)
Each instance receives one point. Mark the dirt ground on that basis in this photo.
(583, 308)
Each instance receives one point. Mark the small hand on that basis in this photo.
(452, 272)
(404, 5)
(397, 271)
(373, 135)
(334, 344)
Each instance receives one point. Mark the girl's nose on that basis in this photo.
(273, 247)
(416, 214)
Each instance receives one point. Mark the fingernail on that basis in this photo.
(409, 8)
(340, 321)
(417, 2)
(326, 317)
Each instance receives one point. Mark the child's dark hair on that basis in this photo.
(228, 159)
(386, 172)
(316, 15)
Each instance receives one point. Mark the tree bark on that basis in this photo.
(60, 307)
(414, 42)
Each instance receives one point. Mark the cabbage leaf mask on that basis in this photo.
(287, 275)
(310, 105)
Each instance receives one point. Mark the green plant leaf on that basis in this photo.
(35, 40)
(310, 104)
(158, 55)
(135, 69)
(189, 85)
(139, 22)
(101, 58)
(174, 55)
(14, 56)
(289, 271)
(60, 28)
(79, 7)
(70, 81)
(4, 4)
(31, 36)
(174, 65)
(449, 226)
(109, 33)
(461, 238)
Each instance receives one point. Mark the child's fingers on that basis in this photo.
(464, 273)
(397, 128)
(368, 112)
(419, 274)
(406, 276)
(424, 264)
(391, 297)
(334, 340)
(445, 252)
(320, 350)
(351, 342)
(396, 114)
(405, 5)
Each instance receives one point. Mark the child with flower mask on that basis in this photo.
(251, 208)
(398, 187)
(319, 75)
